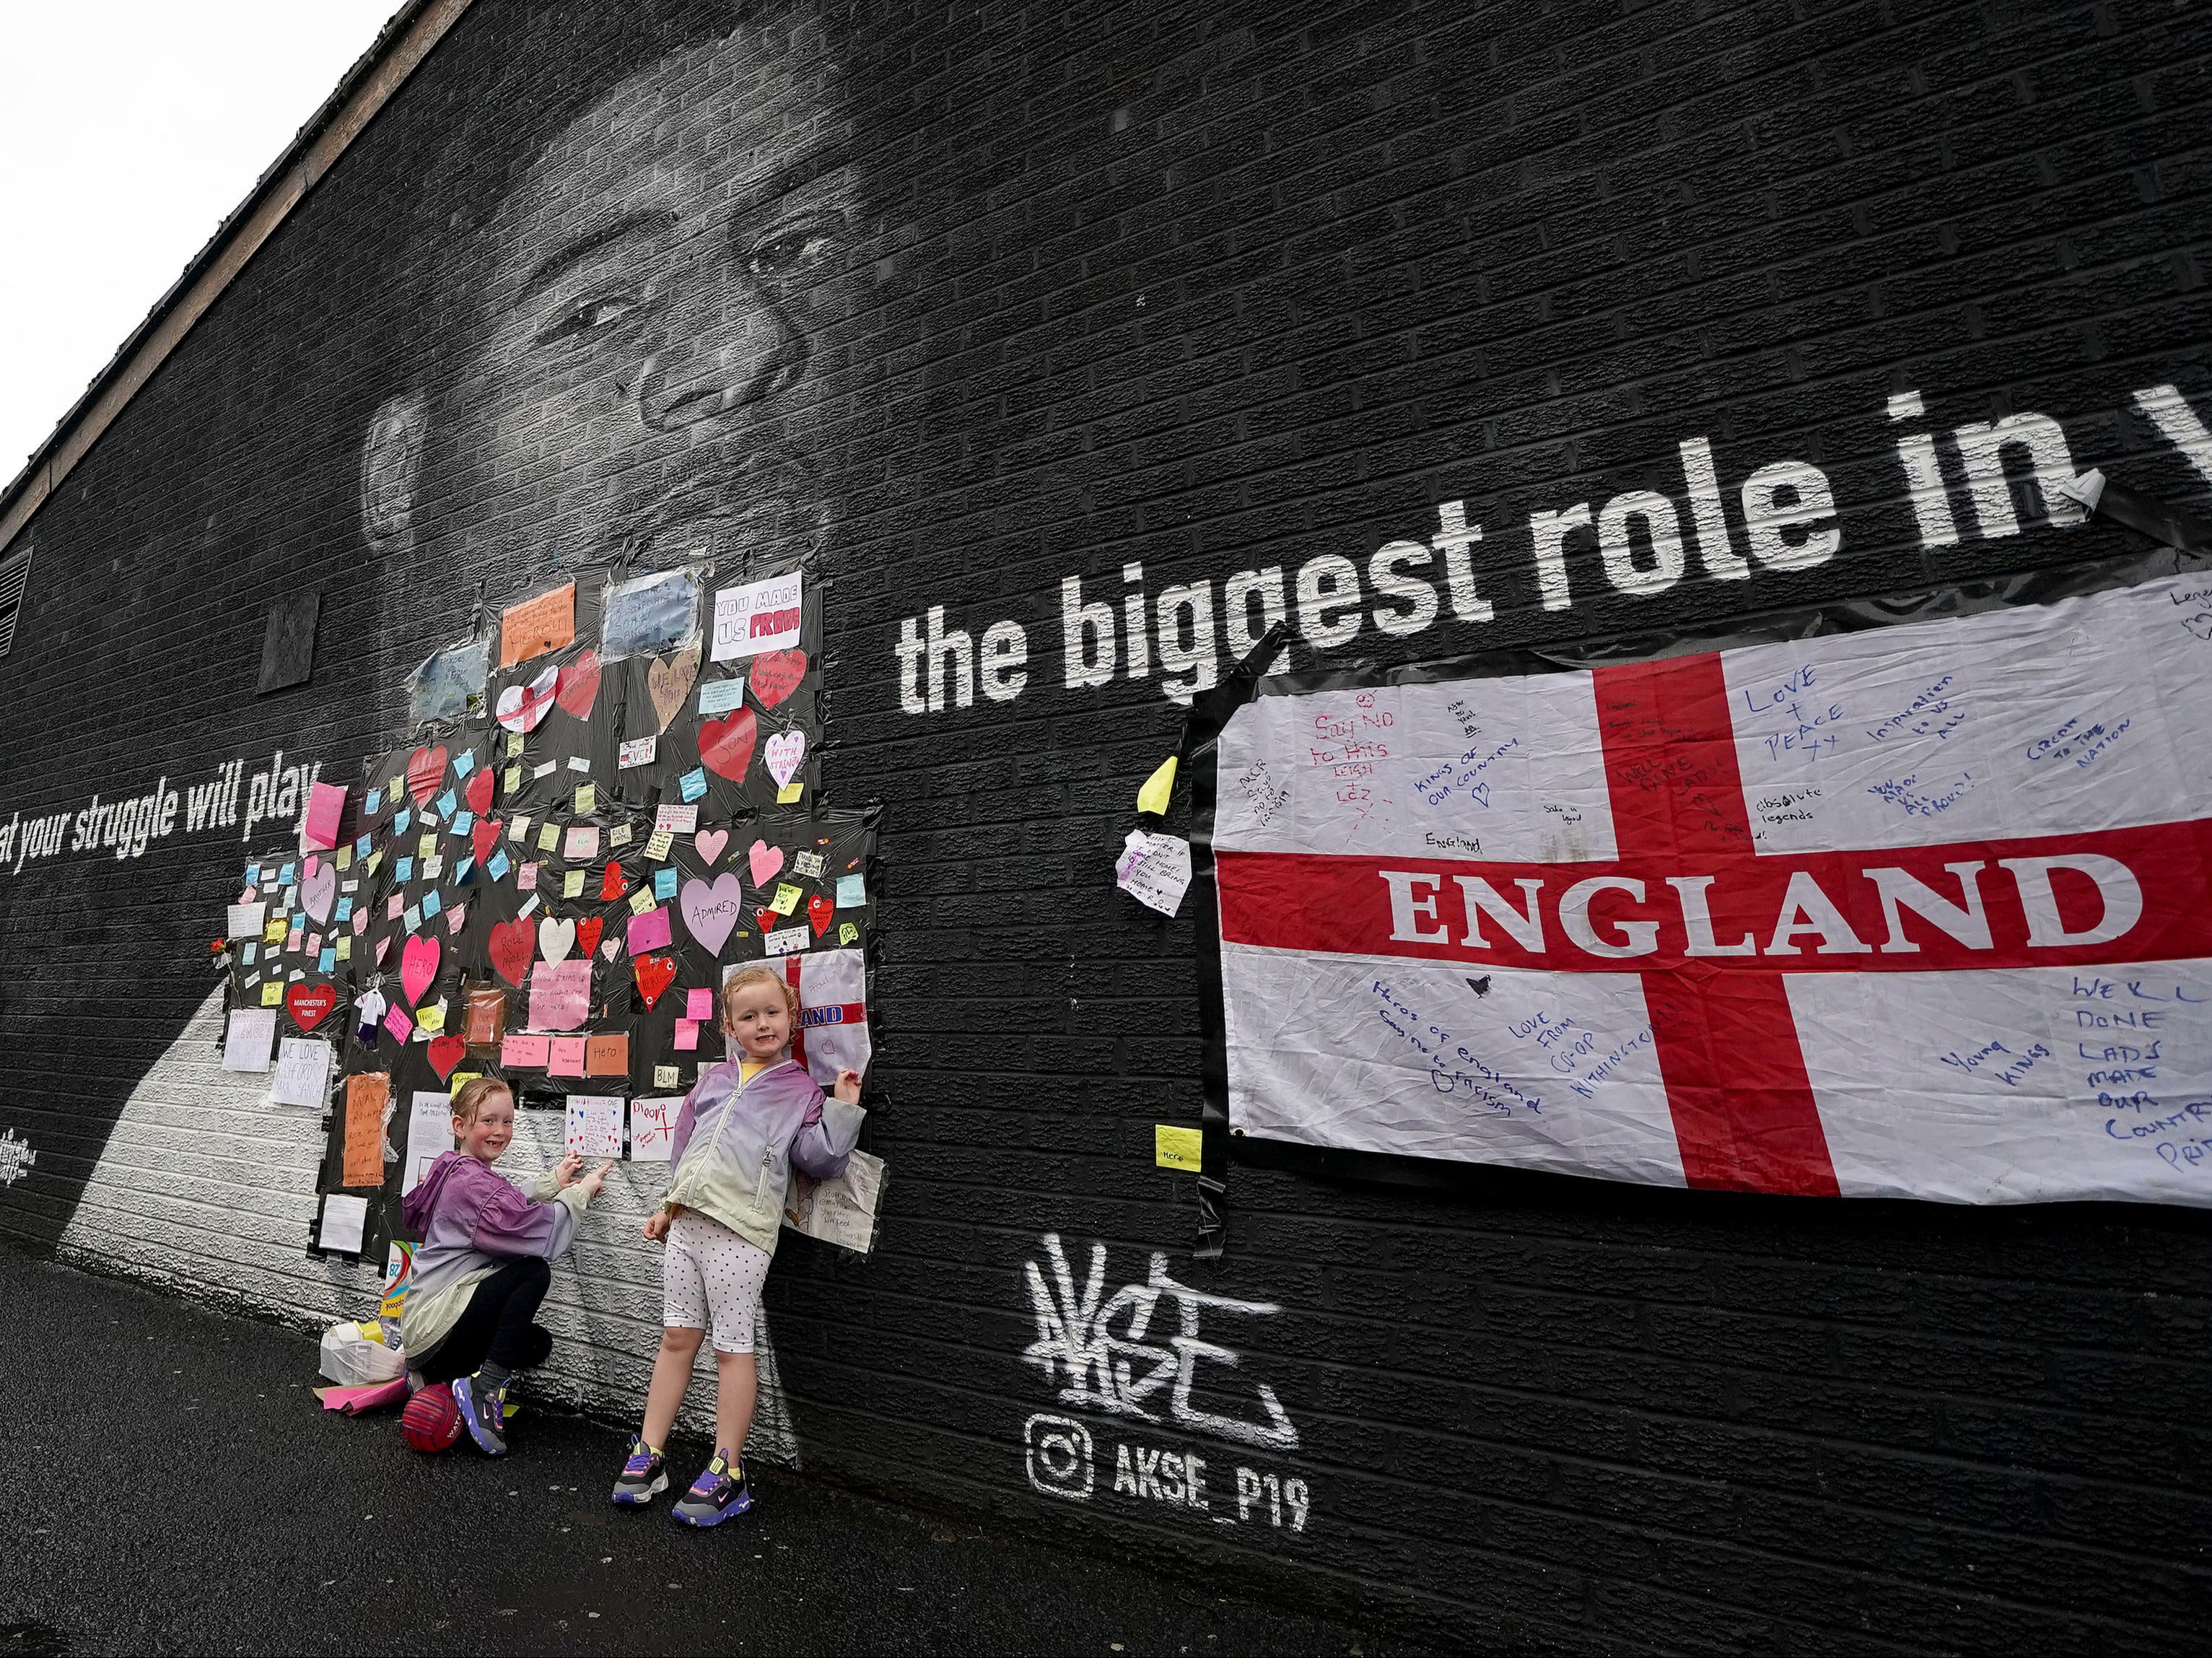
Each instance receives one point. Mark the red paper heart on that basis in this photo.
(424, 767)
(512, 943)
(310, 1004)
(768, 918)
(587, 933)
(483, 836)
(654, 975)
(821, 911)
(479, 790)
(445, 1053)
(611, 884)
(579, 686)
(776, 675)
(726, 746)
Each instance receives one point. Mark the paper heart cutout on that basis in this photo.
(310, 1004)
(821, 911)
(768, 920)
(710, 843)
(424, 767)
(418, 966)
(511, 944)
(483, 836)
(445, 1053)
(726, 746)
(579, 686)
(320, 889)
(522, 708)
(478, 792)
(610, 949)
(766, 861)
(776, 675)
(654, 975)
(612, 882)
(785, 750)
(668, 683)
(711, 911)
(587, 932)
(556, 940)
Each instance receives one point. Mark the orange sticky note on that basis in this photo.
(538, 625)
(364, 1129)
(606, 1056)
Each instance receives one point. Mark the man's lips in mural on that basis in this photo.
(769, 507)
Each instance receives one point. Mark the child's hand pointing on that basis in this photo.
(566, 1170)
(595, 1182)
(849, 1087)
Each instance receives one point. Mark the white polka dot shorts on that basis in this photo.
(709, 1273)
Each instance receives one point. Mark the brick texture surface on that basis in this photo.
(1149, 296)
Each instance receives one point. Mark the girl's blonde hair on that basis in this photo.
(760, 974)
(473, 1093)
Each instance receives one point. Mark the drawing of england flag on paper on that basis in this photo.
(1921, 910)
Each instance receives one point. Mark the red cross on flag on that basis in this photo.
(1916, 911)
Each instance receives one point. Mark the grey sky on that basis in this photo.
(128, 130)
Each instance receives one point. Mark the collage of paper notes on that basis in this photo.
(607, 807)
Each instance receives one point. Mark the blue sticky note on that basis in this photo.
(327, 960)
(692, 783)
(720, 695)
(345, 912)
(400, 822)
(285, 876)
(461, 821)
(664, 884)
(447, 802)
(432, 904)
(375, 803)
(498, 867)
(413, 918)
(247, 955)
(852, 892)
(252, 873)
(465, 871)
(404, 870)
(361, 848)
(464, 762)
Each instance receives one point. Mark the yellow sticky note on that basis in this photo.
(1159, 788)
(789, 793)
(619, 836)
(344, 859)
(588, 798)
(1178, 1148)
(398, 782)
(549, 837)
(271, 993)
(513, 743)
(663, 1076)
(374, 858)
(518, 828)
(641, 901)
(787, 898)
(345, 947)
(513, 779)
(273, 932)
(847, 934)
(657, 846)
(572, 885)
(454, 1082)
(426, 847)
(431, 1018)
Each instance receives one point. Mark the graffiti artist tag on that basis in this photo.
(1120, 1370)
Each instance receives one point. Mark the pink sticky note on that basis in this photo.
(687, 1034)
(457, 918)
(530, 1053)
(314, 944)
(359, 922)
(698, 1003)
(393, 905)
(398, 1024)
(649, 931)
(560, 995)
(383, 946)
(526, 878)
(326, 807)
(568, 1059)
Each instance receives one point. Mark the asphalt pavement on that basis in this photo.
(169, 1484)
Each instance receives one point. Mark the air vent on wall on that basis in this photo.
(15, 576)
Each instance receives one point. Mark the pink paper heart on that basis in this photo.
(711, 911)
(610, 946)
(710, 843)
(766, 861)
(784, 752)
(418, 966)
(320, 889)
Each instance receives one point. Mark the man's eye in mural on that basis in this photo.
(592, 314)
(797, 250)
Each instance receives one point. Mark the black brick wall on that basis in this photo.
(1213, 289)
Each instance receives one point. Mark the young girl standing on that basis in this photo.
(481, 1269)
(743, 1126)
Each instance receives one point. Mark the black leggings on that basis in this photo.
(496, 1326)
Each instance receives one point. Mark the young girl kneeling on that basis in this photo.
(481, 1270)
(744, 1126)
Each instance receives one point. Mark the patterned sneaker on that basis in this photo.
(481, 1413)
(717, 1495)
(643, 1477)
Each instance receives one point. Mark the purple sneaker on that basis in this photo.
(482, 1414)
(717, 1495)
(644, 1477)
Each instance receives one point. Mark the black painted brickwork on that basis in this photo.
(1211, 288)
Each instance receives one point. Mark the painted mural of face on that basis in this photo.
(655, 307)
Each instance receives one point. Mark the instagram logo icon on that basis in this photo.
(1058, 1455)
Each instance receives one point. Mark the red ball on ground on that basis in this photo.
(432, 1421)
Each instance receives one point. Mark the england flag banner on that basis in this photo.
(1916, 911)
